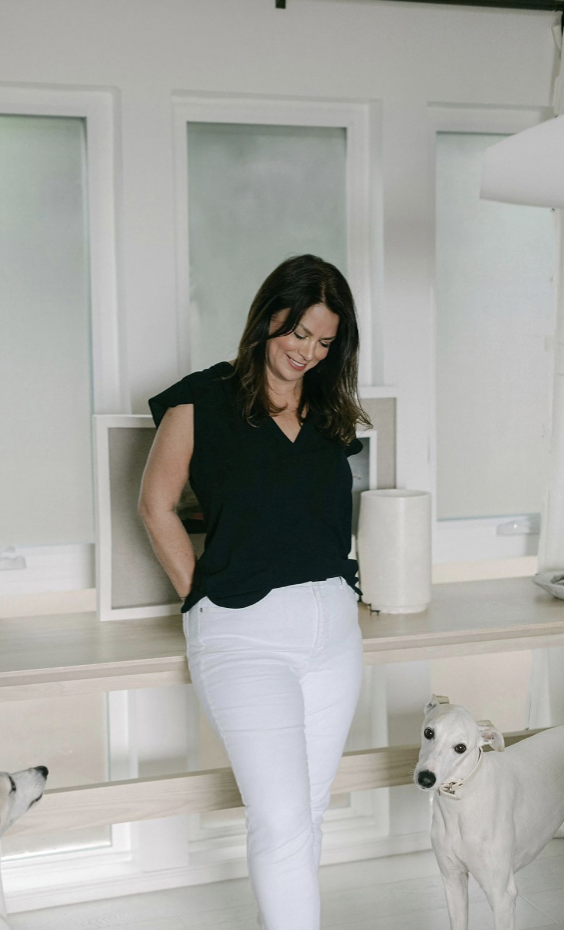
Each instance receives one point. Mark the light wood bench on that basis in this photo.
(68, 654)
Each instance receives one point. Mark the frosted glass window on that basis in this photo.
(495, 317)
(257, 195)
(45, 369)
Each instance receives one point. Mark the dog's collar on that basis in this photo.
(449, 788)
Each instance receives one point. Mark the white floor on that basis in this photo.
(397, 893)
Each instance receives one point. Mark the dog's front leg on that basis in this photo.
(502, 896)
(456, 891)
(4, 925)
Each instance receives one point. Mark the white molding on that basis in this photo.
(445, 117)
(49, 568)
(122, 757)
(40, 884)
(358, 119)
(97, 106)
(470, 539)
(477, 539)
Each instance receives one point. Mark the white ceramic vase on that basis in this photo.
(394, 550)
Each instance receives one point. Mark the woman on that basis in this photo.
(270, 612)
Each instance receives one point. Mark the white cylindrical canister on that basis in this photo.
(394, 550)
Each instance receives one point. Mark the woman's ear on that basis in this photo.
(490, 736)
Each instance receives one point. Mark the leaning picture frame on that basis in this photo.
(130, 581)
(364, 470)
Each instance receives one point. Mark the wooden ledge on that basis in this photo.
(56, 655)
(154, 796)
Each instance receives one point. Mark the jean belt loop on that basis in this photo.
(341, 581)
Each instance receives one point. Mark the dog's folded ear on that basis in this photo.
(436, 699)
(491, 736)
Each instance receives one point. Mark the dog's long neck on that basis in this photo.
(454, 785)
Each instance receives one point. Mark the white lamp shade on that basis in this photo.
(528, 167)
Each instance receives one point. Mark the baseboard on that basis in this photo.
(29, 889)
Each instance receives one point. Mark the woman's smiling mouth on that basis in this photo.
(295, 365)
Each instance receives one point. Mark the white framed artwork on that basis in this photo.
(130, 581)
(364, 470)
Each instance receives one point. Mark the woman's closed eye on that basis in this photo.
(325, 345)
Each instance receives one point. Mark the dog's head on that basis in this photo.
(449, 737)
(18, 792)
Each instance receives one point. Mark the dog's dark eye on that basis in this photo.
(13, 784)
(460, 747)
(428, 733)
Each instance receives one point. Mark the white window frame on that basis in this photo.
(72, 567)
(472, 539)
(97, 108)
(362, 122)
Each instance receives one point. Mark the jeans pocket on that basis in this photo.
(192, 628)
(208, 607)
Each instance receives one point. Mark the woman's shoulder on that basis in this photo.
(354, 447)
(191, 389)
(208, 377)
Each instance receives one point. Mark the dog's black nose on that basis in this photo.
(426, 779)
(42, 769)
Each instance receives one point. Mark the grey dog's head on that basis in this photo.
(18, 791)
(449, 735)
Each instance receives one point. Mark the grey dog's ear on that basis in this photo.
(490, 736)
(436, 699)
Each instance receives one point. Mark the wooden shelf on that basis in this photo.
(58, 655)
(83, 806)
(465, 618)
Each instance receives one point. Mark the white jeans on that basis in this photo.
(279, 682)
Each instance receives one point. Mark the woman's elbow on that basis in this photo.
(144, 509)
(151, 510)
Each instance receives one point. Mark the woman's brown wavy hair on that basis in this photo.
(330, 388)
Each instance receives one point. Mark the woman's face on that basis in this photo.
(289, 357)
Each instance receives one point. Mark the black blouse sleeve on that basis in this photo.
(179, 393)
(353, 447)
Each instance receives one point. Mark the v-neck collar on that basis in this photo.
(282, 435)
(277, 430)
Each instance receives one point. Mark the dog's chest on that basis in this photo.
(455, 832)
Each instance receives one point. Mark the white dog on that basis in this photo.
(493, 812)
(18, 792)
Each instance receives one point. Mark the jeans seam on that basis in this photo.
(321, 622)
(216, 721)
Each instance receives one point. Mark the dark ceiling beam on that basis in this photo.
(554, 6)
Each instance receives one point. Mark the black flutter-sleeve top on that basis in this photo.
(275, 512)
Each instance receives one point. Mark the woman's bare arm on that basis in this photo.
(164, 477)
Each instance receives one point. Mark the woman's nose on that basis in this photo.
(306, 352)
